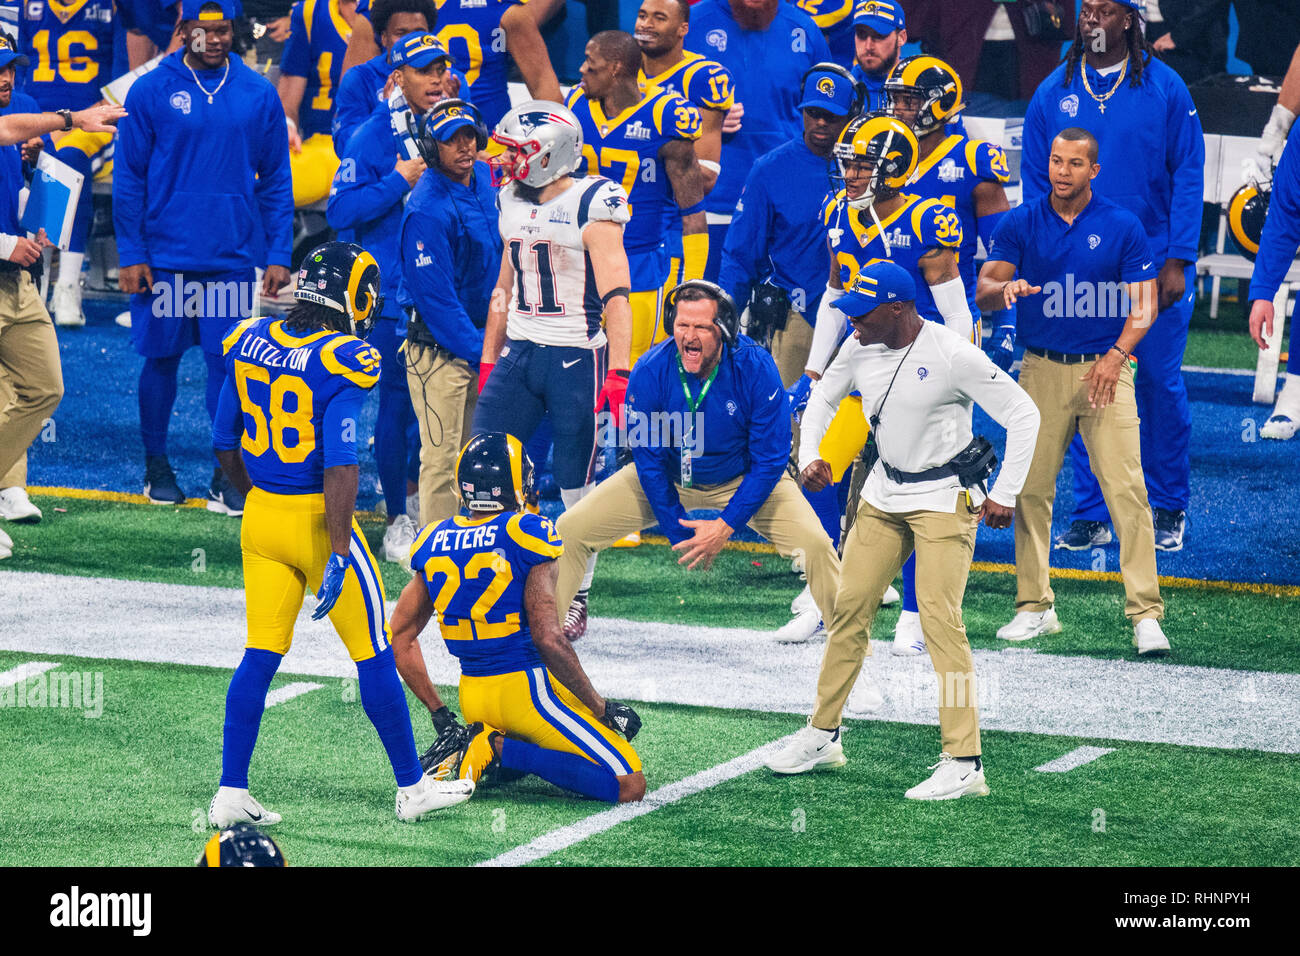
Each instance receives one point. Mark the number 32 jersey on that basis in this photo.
(554, 300)
(293, 402)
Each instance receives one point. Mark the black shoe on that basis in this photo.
(223, 497)
(1084, 535)
(160, 482)
(1169, 529)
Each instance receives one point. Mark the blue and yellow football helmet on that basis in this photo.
(494, 473)
(932, 86)
(343, 277)
(240, 845)
(884, 143)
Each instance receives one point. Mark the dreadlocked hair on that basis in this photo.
(304, 317)
(1139, 51)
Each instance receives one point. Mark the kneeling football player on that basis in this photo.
(529, 705)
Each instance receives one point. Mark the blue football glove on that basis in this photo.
(331, 586)
(798, 395)
(1002, 347)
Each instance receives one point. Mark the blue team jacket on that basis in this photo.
(199, 186)
(11, 169)
(745, 430)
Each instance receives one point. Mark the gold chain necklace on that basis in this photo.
(1101, 100)
(226, 76)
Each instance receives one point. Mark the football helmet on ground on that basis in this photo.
(240, 845)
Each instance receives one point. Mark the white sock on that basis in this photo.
(70, 268)
(570, 497)
(1288, 400)
(906, 616)
(232, 792)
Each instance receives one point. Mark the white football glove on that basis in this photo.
(1259, 168)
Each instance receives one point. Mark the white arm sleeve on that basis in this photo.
(950, 299)
(7, 245)
(827, 331)
(823, 403)
(976, 377)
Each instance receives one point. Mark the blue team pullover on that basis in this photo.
(777, 233)
(1277, 246)
(767, 66)
(1152, 149)
(358, 95)
(745, 431)
(11, 170)
(202, 186)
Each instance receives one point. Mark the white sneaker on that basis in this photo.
(6, 546)
(891, 596)
(124, 319)
(398, 540)
(231, 806)
(807, 750)
(1148, 638)
(413, 509)
(804, 628)
(1280, 425)
(66, 302)
(1027, 624)
(427, 795)
(803, 601)
(909, 639)
(952, 778)
(16, 506)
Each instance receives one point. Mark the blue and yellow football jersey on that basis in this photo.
(704, 83)
(950, 175)
(301, 398)
(625, 148)
(70, 48)
(916, 227)
(475, 569)
(315, 50)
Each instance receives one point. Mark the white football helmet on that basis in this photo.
(547, 142)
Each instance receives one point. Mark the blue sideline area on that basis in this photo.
(1240, 526)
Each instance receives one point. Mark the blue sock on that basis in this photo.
(826, 505)
(569, 771)
(245, 701)
(157, 396)
(909, 584)
(385, 704)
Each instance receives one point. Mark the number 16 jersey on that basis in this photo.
(554, 300)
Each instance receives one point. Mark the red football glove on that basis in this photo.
(614, 391)
(484, 370)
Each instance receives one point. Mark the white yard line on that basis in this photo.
(1075, 758)
(574, 833)
(1221, 371)
(290, 691)
(16, 675)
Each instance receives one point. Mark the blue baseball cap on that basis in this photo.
(877, 284)
(448, 116)
(417, 50)
(1137, 6)
(8, 55)
(192, 10)
(829, 90)
(883, 16)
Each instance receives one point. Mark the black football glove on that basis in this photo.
(450, 733)
(445, 720)
(622, 718)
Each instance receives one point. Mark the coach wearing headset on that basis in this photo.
(709, 427)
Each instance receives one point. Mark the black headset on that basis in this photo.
(425, 138)
(859, 88)
(727, 319)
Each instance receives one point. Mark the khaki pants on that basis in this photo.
(878, 545)
(444, 390)
(16, 476)
(618, 507)
(790, 348)
(1112, 438)
(29, 366)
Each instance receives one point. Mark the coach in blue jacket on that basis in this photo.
(202, 195)
(709, 427)
(1152, 163)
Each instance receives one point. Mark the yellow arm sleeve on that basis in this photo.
(695, 255)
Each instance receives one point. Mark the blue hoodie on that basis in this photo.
(11, 170)
(199, 186)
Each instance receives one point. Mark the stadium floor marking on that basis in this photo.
(763, 547)
(290, 691)
(1075, 758)
(567, 836)
(22, 672)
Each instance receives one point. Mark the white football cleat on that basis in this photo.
(16, 506)
(66, 303)
(803, 601)
(802, 629)
(1148, 637)
(6, 546)
(398, 540)
(1027, 624)
(1280, 426)
(909, 639)
(232, 805)
(428, 795)
(952, 778)
(413, 508)
(891, 596)
(807, 750)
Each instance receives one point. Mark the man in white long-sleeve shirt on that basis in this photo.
(918, 382)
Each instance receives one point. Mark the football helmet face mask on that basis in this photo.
(344, 277)
(240, 845)
(542, 140)
(494, 473)
(883, 145)
(1247, 210)
(928, 85)
(728, 318)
